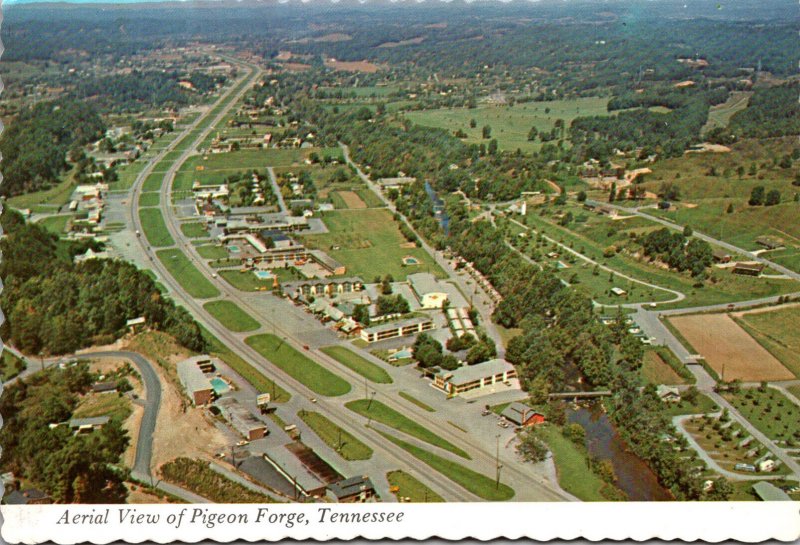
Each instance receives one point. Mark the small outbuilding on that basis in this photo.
(521, 415)
(352, 490)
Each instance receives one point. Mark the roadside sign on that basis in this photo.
(262, 399)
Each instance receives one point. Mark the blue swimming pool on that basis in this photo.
(264, 275)
(234, 249)
(220, 386)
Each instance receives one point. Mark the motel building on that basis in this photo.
(392, 330)
(473, 377)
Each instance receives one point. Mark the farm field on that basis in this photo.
(335, 437)
(386, 415)
(155, 228)
(300, 367)
(409, 487)
(187, 275)
(510, 124)
(656, 371)
(475, 482)
(231, 316)
(775, 330)
(369, 243)
(353, 361)
(769, 411)
(728, 349)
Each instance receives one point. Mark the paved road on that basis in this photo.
(276, 189)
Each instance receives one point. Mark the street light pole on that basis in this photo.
(497, 463)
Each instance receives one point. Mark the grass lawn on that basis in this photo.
(388, 416)
(154, 180)
(720, 115)
(127, 175)
(247, 371)
(212, 251)
(114, 405)
(510, 124)
(245, 281)
(474, 482)
(55, 224)
(187, 275)
(369, 243)
(769, 411)
(194, 230)
(231, 316)
(417, 402)
(152, 198)
(335, 437)
(154, 227)
(409, 487)
(299, 366)
(363, 367)
(795, 390)
(54, 197)
(776, 330)
(10, 366)
(574, 475)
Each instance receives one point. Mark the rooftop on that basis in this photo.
(469, 373)
(94, 421)
(192, 376)
(394, 325)
(423, 283)
(769, 492)
(351, 486)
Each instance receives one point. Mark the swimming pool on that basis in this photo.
(410, 261)
(234, 249)
(263, 275)
(220, 386)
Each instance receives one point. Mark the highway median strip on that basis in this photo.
(154, 227)
(299, 366)
(379, 412)
(231, 316)
(186, 274)
(363, 367)
(335, 437)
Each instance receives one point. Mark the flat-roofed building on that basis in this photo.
(327, 262)
(353, 490)
(192, 374)
(428, 290)
(471, 377)
(747, 268)
(393, 330)
(769, 492)
(318, 288)
(243, 420)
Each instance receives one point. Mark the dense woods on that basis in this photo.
(36, 144)
(54, 306)
(772, 111)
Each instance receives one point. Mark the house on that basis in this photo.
(393, 330)
(352, 490)
(471, 377)
(135, 324)
(192, 374)
(30, 496)
(90, 254)
(769, 492)
(668, 394)
(769, 243)
(521, 415)
(721, 256)
(619, 292)
(104, 387)
(242, 420)
(427, 290)
(748, 268)
(88, 425)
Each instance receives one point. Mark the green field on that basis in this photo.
(247, 371)
(187, 275)
(369, 243)
(703, 405)
(212, 251)
(510, 124)
(194, 230)
(474, 482)
(245, 281)
(154, 227)
(154, 180)
(10, 365)
(299, 366)
(231, 316)
(363, 367)
(335, 437)
(776, 331)
(115, 405)
(409, 487)
(720, 115)
(417, 402)
(127, 174)
(657, 370)
(385, 415)
(46, 200)
(571, 466)
(769, 411)
(152, 198)
(55, 224)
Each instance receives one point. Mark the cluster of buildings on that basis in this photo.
(460, 322)
(480, 279)
(87, 205)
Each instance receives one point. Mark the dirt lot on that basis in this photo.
(352, 200)
(724, 344)
(352, 66)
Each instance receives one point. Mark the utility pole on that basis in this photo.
(497, 463)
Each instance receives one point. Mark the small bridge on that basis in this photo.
(580, 395)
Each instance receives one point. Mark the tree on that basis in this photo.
(530, 447)
(472, 123)
(756, 196)
(581, 197)
(492, 149)
(539, 390)
(532, 134)
(486, 132)
(687, 231)
(575, 433)
(721, 490)
(613, 193)
(730, 209)
(773, 198)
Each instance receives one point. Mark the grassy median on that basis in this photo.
(155, 228)
(411, 488)
(187, 275)
(363, 367)
(335, 437)
(385, 415)
(231, 316)
(300, 367)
